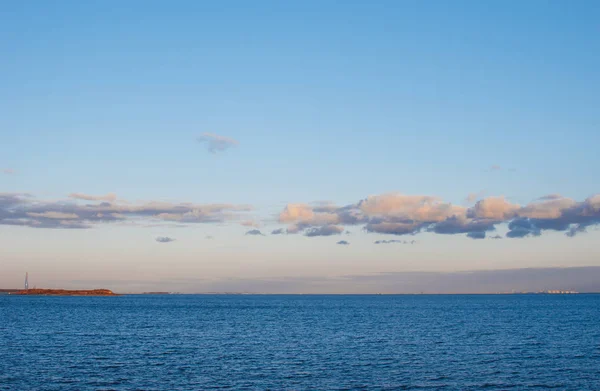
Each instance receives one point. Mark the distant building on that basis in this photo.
(559, 292)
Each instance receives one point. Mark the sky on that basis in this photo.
(195, 146)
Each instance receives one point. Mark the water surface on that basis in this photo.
(247, 342)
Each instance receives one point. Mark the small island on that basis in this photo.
(65, 292)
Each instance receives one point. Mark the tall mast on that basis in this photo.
(26, 280)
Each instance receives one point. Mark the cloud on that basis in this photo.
(402, 206)
(495, 167)
(401, 228)
(24, 210)
(393, 214)
(550, 197)
(304, 214)
(8, 171)
(548, 207)
(496, 237)
(476, 235)
(254, 232)
(399, 214)
(164, 239)
(326, 230)
(216, 143)
(110, 197)
(343, 243)
(521, 227)
(395, 241)
(461, 225)
(496, 208)
(54, 215)
(472, 197)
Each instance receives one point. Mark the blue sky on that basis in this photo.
(327, 102)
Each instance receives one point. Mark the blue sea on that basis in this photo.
(303, 342)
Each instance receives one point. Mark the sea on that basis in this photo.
(300, 342)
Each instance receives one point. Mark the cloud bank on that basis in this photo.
(24, 210)
(216, 143)
(390, 214)
(399, 214)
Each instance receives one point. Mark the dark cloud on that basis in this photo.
(455, 225)
(496, 237)
(343, 243)
(216, 143)
(326, 230)
(164, 239)
(395, 241)
(522, 227)
(254, 232)
(395, 228)
(278, 231)
(476, 235)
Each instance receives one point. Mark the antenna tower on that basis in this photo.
(26, 281)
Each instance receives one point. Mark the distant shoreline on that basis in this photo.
(364, 294)
(64, 292)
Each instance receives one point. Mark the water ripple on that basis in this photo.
(208, 342)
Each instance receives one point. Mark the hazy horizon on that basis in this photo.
(580, 279)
